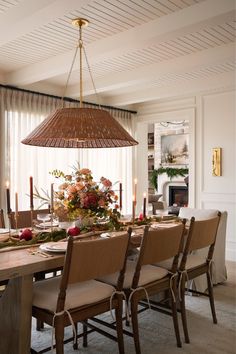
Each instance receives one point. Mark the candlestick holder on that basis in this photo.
(52, 214)
(133, 212)
(31, 215)
(16, 220)
(9, 214)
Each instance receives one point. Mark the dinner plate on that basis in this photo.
(6, 231)
(46, 225)
(164, 226)
(54, 247)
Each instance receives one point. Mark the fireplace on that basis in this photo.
(178, 196)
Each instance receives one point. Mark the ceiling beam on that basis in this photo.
(181, 89)
(29, 15)
(149, 73)
(162, 29)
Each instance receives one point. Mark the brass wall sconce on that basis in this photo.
(217, 162)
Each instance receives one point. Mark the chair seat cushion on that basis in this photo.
(148, 274)
(193, 260)
(45, 293)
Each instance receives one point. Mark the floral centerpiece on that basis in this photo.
(79, 197)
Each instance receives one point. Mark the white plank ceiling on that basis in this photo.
(138, 50)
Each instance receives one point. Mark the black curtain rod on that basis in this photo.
(67, 99)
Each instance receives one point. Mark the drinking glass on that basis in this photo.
(43, 217)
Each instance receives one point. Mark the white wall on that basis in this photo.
(212, 124)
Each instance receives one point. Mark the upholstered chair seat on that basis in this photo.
(45, 293)
(148, 274)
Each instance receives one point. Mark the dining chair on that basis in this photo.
(143, 279)
(202, 234)
(2, 226)
(24, 218)
(76, 295)
(219, 272)
(2, 221)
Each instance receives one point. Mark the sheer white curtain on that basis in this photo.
(20, 113)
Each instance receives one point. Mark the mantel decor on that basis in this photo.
(175, 149)
(170, 171)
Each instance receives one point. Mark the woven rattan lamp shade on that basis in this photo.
(80, 128)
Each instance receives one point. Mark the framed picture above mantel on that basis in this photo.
(175, 149)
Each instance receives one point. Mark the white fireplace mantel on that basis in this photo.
(164, 182)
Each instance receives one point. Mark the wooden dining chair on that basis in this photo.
(76, 296)
(2, 221)
(201, 234)
(2, 226)
(24, 218)
(143, 279)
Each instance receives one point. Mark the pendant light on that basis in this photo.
(80, 127)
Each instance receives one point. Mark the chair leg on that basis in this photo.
(134, 318)
(75, 345)
(85, 334)
(183, 311)
(211, 297)
(59, 335)
(39, 325)
(119, 326)
(127, 323)
(175, 316)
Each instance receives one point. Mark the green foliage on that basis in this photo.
(170, 171)
(55, 236)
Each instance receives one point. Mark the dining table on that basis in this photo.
(18, 267)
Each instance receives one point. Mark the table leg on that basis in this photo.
(15, 316)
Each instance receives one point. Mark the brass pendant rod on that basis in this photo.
(80, 66)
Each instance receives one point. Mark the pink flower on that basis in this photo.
(79, 186)
(63, 186)
(85, 171)
(101, 202)
(71, 189)
(90, 200)
(106, 182)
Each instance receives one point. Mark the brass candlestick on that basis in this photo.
(16, 220)
(51, 212)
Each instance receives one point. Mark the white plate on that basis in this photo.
(164, 226)
(46, 225)
(54, 246)
(6, 231)
(105, 235)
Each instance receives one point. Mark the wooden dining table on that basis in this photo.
(18, 267)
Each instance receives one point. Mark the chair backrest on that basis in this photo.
(2, 221)
(90, 259)
(24, 217)
(198, 214)
(159, 245)
(202, 233)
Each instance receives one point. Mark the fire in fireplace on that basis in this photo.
(178, 196)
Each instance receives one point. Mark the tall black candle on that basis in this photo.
(8, 200)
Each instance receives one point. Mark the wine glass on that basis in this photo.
(43, 217)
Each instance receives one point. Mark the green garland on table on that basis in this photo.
(170, 171)
(55, 236)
